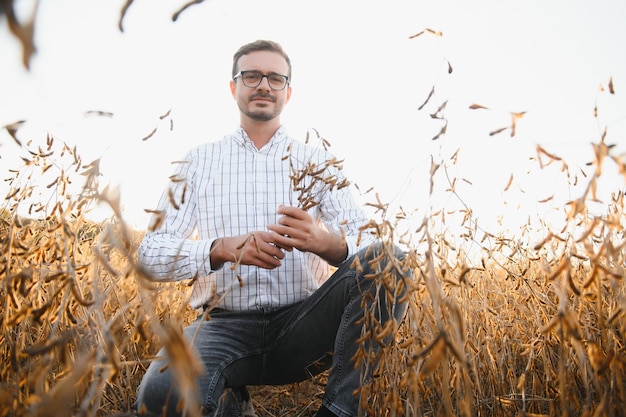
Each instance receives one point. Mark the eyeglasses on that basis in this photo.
(252, 79)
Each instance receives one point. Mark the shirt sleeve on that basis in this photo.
(171, 252)
(340, 212)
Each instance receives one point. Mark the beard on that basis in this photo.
(260, 114)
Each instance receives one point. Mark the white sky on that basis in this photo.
(357, 78)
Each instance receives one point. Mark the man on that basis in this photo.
(255, 219)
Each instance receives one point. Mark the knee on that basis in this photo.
(156, 395)
(385, 261)
(379, 253)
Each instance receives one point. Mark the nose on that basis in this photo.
(264, 84)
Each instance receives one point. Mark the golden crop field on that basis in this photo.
(529, 328)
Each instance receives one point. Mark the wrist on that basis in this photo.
(216, 254)
(336, 249)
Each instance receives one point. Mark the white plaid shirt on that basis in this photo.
(230, 188)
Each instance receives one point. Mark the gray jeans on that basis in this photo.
(283, 346)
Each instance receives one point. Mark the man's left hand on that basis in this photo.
(297, 229)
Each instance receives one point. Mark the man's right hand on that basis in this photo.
(255, 248)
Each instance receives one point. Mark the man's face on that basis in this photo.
(261, 103)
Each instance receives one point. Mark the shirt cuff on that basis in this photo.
(353, 248)
(200, 256)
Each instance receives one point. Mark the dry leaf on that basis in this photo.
(434, 32)
(509, 183)
(495, 132)
(441, 132)
(120, 24)
(149, 134)
(163, 116)
(23, 31)
(432, 91)
(13, 128)
(182, 9)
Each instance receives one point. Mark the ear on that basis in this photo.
(233, 88)
(288, 94)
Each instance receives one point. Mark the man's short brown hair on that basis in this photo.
(260, 45)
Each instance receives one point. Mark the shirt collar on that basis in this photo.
(241, 137)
